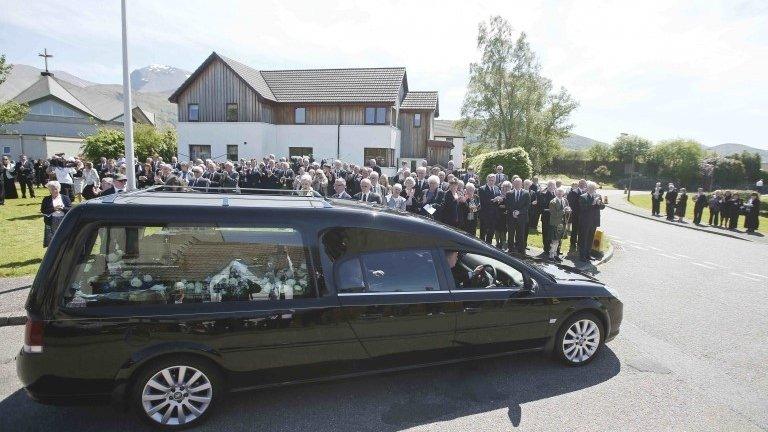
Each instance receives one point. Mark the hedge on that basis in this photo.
(515, 162)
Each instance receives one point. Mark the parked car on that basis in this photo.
(168, 300)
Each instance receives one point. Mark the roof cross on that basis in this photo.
(45, 56)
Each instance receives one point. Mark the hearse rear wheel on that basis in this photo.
(176, 392)
(579, 339)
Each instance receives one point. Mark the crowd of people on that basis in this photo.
(498, 208)
(725, 207)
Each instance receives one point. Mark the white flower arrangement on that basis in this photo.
(136, 282)
(147, 278)
(126, 274)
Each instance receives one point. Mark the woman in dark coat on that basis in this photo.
(449, 213)
(53, 208)
(725, 209)
(752, 219)
(714, 208)
(682, 204)
(8, 174)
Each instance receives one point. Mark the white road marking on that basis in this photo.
(746, 277)
(755, 274)
(654, 248)
(667, 256)
(713, 264)
(638, 247)
(682, 256)
(703, 265)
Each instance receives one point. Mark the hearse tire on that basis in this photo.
(176, 392)
(580, 339)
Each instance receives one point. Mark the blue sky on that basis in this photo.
(660, 69)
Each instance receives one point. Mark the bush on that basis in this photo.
(602, 173)
(515, 162)
(147, 142)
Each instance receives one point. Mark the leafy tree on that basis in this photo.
(600, 153)
(509, 102)
(149, 142)
(515, 162)
(10, 112)
(751, 162)
(678, 159)
(630, 148)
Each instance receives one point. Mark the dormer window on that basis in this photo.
(193, 112)
(417, 120)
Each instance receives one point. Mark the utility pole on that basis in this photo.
(130, 171)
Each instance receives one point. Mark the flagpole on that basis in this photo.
(130, 171)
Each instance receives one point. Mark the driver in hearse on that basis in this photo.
(476, 278)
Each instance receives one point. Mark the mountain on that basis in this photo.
(157, 78)
(578, 142)
(731, 148)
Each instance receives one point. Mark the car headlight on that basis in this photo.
(612, 291)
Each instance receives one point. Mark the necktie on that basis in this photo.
(365, 197)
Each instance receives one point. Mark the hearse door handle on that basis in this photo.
(371, 317)
(472, 310)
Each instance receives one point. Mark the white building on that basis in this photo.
(228, 110)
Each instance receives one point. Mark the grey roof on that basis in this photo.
(418, 100)
(444, 128)
(314, 85)
(86, 99)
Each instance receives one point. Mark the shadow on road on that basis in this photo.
(384, 403)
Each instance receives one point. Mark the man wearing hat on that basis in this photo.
(118, 185)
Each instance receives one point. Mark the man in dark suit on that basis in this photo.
(198, 182)
(365, 193)
(536, 206)
(590, 205)
(517, 202)
(544, 198)
(489, 195)
(700, 201)
(421, 179)
(671, 199)
(573, 202)
(229, 178)
(470, 174)
(340, 187)
(118, 185)
(374, 166)
(25, 174)
(657, 196)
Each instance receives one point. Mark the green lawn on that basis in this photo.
(644, 201)
(21, 228)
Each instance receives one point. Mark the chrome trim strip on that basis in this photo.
(390, 293)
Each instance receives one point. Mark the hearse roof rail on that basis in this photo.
(184, 192)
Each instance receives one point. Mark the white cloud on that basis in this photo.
(656, 68)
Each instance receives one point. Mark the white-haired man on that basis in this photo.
(340, 187)
(365, 194)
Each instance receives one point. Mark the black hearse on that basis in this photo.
(168, 300)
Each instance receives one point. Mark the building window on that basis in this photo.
(52, 108)
(193, 112)
(199, 152)
(417, 120)
(385, 157)
(232, 152)
(6, 150)
(375, 115)
(300, 115)
(175, 264)
(231, 112)
(299, 151)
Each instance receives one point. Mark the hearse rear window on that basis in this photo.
(179, 264)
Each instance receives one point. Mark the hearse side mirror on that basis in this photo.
(530, 284)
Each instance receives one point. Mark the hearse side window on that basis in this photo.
(350, 276)
(506, 276)
(351, 241)
(396, 271)
(169, 264)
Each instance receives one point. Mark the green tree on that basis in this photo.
(602, 173)
(600, 153)
(679, 160)
(630, 148)
(509, 102)
(148, 140)
(751, 162)
(10, 112)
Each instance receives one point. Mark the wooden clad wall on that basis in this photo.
(217, 86)
(330, 114)
(414, 140)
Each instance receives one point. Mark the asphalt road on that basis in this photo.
(692, 355)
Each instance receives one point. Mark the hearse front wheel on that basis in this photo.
(176, 392)
(579, 339)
